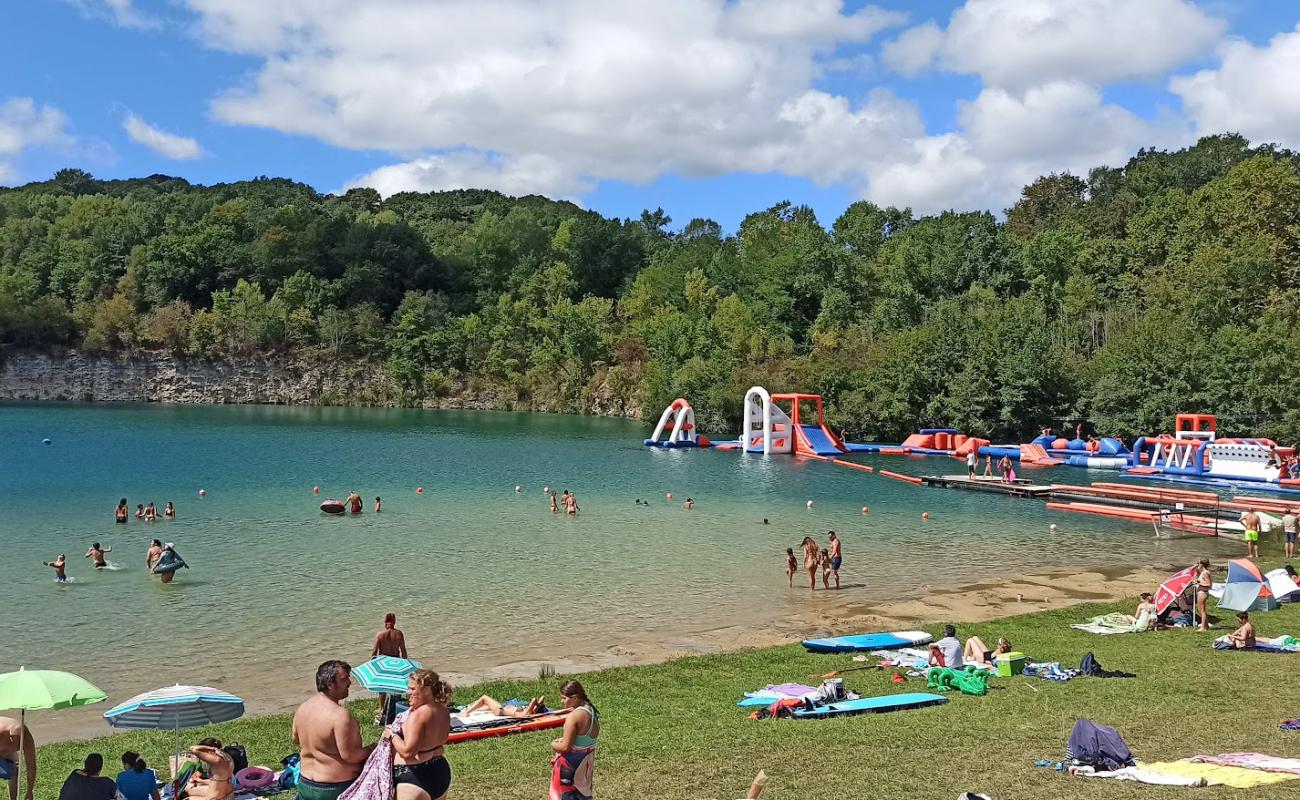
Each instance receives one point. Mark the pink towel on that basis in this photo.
(376, 779)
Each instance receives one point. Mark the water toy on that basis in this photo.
(890, 640)
(419, 490)
(332, 506)
(678, 420)
(872, 705)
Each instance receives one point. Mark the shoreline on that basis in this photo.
(982, 601)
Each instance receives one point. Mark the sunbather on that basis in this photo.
(978, 653)
(1243, 638)
(1144, 618)
(507, 709)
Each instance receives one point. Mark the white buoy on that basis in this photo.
(1052, 527)
(809, 504)
(203, 492)
(518, 488)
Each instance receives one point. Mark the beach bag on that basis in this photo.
(1097, 746)
(237, 754)
(1091, 667)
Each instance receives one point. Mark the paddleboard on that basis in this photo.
(332, 507)
(892, 640)
(873, 705)
(523, 726)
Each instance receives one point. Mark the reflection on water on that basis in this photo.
(478, 574)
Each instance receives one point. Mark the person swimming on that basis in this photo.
(59, 566)
(170, 511)
(151, 512)
(139, 510)
(97, 553)
(689, 504)
(122, 512)
(155, 553)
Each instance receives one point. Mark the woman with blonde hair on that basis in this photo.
(419, 770)
(812, 558)
(575, 750)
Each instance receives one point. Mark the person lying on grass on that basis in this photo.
(978, 653)
(507, 709)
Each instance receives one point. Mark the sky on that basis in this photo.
(705, 108)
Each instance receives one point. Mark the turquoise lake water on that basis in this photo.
(484, 580)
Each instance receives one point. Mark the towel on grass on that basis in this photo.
(1111, 623)
(1259, 761)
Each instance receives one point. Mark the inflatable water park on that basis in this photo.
(776, 424)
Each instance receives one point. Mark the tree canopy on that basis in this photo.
(1169, 284)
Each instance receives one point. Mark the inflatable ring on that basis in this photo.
(255, 778)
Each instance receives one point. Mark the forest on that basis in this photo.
(1168, 284)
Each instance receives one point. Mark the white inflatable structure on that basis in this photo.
(679, 420)
(1243, 459)
(767, 429)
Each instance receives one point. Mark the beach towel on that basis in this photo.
(1290, 725)
(376, 779)
(1261, 761)
(1113, 623)
(1217, 775)
(571, 777)
(1140, 774)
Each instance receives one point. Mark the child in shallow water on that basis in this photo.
(791, 564)
(826, 568)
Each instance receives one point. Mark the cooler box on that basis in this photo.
(1009, 664)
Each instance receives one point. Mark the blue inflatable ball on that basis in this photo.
(46, 441)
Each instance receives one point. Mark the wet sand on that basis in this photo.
(826, 613)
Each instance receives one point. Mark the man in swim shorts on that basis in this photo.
(837, 557)
(388, 642)
(1250, 521)
(1289, 531)
(354, 502)
(97, 553)
(59, 566)
(17, 744)
(327, 736)
(972, 458)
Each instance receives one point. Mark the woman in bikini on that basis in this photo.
(419, 770)
(811, 559)
(575, 751)
(1203, 583)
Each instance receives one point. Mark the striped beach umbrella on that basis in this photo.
(176, 707)
(385, 674)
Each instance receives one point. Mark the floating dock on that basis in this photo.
(1018, 488)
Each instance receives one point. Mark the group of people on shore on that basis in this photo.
(147, 513)
(828, 559)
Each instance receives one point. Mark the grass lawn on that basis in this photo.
(672, 730)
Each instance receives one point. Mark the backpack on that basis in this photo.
(1091, 667)
(237, 754)
(1098, 746)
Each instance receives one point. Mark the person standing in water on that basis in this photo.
(122, 512)
(388, 642)
(379, 504)
(837, 557)
(791, 566)
(170, 511)
(17, 745)
(155, 553)
(354, 502)
(689, 504)
(811, 555)
(97, 553)
(555, 503)
(139, 510)
(151, 512)
(59, 566)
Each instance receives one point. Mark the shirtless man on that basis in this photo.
(837, 557)
(97, 553)
(328, 737)
(354, 502)
(15, 738)
(1250, 521)
(388, 642)
(155, 553)
(570, 503)
(59, 566)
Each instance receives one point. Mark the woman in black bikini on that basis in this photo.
(122, 512)
(419, 770)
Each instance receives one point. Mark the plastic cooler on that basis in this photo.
(1009, 664)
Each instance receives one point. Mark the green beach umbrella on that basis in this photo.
(385, 674)
(36, 689)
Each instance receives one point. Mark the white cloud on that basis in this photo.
(121, 12)
(23, 125)
(1021, 43)
(165, 144)
(1254, 91)
(820, 21)
(532, 174)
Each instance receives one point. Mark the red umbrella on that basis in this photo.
(1174, 586)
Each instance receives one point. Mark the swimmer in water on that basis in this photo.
(155, 553)
(151, 512)
(139, 510)
(826, 568)
(97, 553)
(59, 566)
(354, 502)
(378, 505)
(689, 504)
(791, 565)
(170, 511)
(555, 507)
(122, 512)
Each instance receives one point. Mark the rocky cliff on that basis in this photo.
(163, 378)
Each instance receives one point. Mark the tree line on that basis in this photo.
(1169, 284)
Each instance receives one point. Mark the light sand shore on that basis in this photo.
(825, 613)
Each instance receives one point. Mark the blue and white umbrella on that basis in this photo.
(176, 707)
(385, 674)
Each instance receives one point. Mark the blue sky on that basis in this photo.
(706, 108)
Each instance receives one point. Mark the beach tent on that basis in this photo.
(1246, 589)
(1283, 586)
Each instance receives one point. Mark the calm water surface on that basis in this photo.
(484, 580)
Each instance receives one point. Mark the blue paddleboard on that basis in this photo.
(867, 641)
(873, 705)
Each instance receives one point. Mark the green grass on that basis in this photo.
(672, 730)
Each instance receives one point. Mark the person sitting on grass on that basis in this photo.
(136, 781)
(510, 708)
(978, 653)
(947, 651)
(87, 784)
(1243, 638)
(1144, 618)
